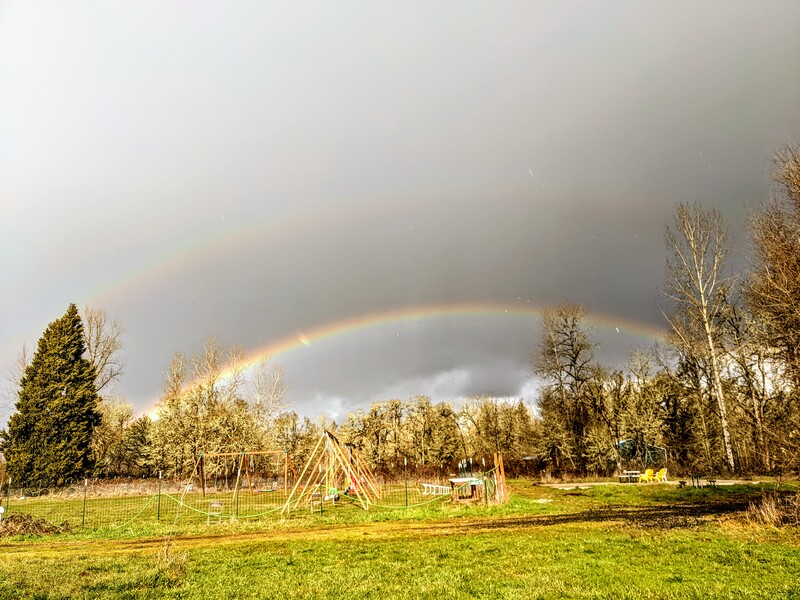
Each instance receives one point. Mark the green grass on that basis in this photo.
(188, 509)
(602, 542)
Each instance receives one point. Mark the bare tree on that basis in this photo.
(696, 285)
(773, 289)
(20, 364)
(15, 374)
(566, 354)
(17, 371)
(202, 409)
(103, 343)
(268, 390)
(565, 360)
(750, 370)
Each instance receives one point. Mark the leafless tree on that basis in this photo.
(566, 354)
(203, 410)
(697, 287)
(20, 364)
(17, 370)
(103, 342)
(268, 389)
(565, 360)
(773, 289)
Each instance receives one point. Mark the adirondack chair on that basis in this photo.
(661, 476)
(647, 476)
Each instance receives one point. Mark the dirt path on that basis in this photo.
(660, 517)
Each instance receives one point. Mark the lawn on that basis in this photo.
(109, 511)
(608, 541)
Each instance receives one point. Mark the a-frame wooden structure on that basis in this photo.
(330, 467)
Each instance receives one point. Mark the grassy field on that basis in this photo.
(607, 541)
(103, 510)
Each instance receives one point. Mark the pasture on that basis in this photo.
(607, 541)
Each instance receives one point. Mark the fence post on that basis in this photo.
(405, 468)
(321, 491)
(158, 514)
(485, 486)
(8, 497)
(85, 487)
(494, 476)
(236, 491)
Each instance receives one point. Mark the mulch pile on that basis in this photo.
(21, 524)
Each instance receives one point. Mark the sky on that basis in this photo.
(381, 196)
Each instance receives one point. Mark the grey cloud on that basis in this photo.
(397, 156)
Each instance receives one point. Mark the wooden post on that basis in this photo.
(352, 474)
(247, 472)
(365, 473)
(236, 488)
(405, 469)
(286, 506)
(485, 486)
(503, 479)
(285, 470)
(496, 480)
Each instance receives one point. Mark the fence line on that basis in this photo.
(96, 505)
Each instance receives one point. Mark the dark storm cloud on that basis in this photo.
(420, 154)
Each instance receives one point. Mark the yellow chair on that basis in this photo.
(661, 476)
(647, 476)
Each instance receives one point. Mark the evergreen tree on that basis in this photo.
(49, 436)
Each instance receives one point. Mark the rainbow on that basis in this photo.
(364, 322)
(369, 321)
(230, 237)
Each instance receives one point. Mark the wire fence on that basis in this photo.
(94, 504)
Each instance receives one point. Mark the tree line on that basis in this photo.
(720, 394)
(723, 392)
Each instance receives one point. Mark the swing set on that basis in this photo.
(333, 470)
(260, 473)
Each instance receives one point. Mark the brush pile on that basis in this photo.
(21, 524)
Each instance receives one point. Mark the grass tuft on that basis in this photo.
(170, 565)
(775, 509)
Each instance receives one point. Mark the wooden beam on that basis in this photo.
(286, 506)
(503, 478)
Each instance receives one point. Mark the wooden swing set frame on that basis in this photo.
(330, 465)
(243, 462)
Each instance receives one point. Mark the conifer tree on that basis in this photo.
(49, 435)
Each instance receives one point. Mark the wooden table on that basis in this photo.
(629, 477)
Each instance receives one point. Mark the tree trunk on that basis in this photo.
(723, 411)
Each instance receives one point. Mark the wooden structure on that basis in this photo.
(333, 470)
(244, 467)
(471, 489)
(501, 488)
(489, 486)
